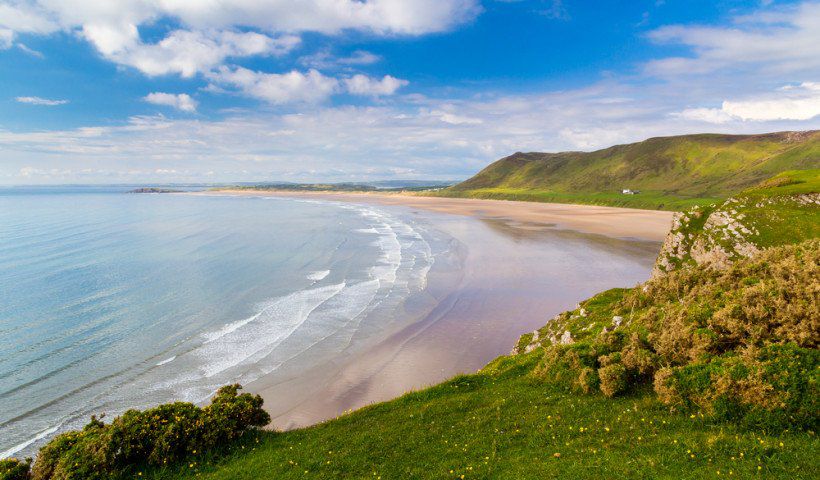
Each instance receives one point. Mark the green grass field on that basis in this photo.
(501, 423)
(648, 200)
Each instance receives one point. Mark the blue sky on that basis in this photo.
(337, 90)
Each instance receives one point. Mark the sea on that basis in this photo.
(111, 300)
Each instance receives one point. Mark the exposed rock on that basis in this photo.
(533, 343)
(566, 338)
(617, 320)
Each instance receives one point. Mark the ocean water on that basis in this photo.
(110, 301)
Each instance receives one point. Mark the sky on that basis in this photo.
(170, 91)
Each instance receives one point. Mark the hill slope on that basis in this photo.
(672, 173)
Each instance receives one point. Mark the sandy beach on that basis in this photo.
(514, 265)
(649, 225)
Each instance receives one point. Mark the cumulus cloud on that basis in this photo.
(185, 52)
(800, 102)
(310, 87)
(364, 85)
(707, 115)
(40, 101)
(780, 41)
(278, 88)
(181, 101)
(791, 102)
(22, 18)
(215, 30)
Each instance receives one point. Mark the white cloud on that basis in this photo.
(40, 101)
(707, 115)
(21, 18)
(6, 38)
(447, 116)
(181, 101)
(278, 88)
(377, 16)
(444, 138)
(792, 102)
(186, 52)
(325, 60)
(766, 42)
(24, 18)
(364, 85)
(217, 29)
(30, 51)
(309, 87)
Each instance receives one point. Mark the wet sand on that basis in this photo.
(512, 268)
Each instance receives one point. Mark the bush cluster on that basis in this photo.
(739, 344)
(14, 469)
(154, 437)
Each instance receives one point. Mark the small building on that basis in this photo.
(627, 191)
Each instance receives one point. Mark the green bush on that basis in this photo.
(570, 366)
(155, 437)
(14, 469)
(773, 388)
(613, 379)
(739, 344)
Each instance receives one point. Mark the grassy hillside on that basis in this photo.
(672, 173)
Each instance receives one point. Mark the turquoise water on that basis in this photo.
(110, 300)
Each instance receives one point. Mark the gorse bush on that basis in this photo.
(154, 437)
(14, 469)
(739, 344)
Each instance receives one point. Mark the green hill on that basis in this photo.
(671, 173)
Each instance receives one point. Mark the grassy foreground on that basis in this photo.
(501, 423)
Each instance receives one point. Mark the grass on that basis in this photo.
(648, 200)
(672, 173)
(502, 423)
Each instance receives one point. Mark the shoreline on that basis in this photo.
(615, 222)
(512, 267)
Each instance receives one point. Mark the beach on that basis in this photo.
(513, 266)
(646, 225)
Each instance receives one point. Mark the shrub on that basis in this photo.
(14, 469)
(637, 358)
(613, 379)
(740, 344)
(568, 366)
(158, 436)
(774, 388)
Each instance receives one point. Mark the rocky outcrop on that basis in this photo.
(716, 236)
